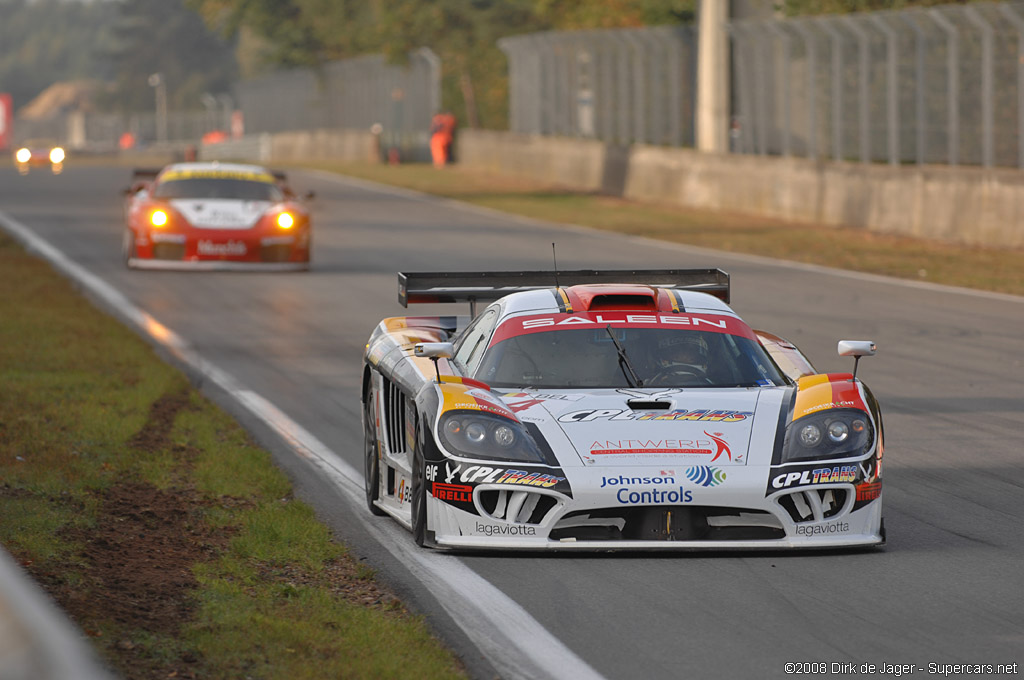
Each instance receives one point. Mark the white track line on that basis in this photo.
(515, 643)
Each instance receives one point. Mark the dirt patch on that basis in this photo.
(129, 583)
(135, 570)
(154, 435)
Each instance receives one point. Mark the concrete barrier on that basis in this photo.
(37, 641)
(966, 205)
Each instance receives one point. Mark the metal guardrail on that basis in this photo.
(37, 641)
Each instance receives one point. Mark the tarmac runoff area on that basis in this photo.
(37, 642)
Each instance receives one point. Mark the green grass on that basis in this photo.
(89, 415)
(992, 269)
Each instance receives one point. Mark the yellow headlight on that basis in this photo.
(23, 155)
(158, 218)
(285, 220)
(56, 155)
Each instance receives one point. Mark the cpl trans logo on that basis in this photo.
(844, 474)
(615, 414)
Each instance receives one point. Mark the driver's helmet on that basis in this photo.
(683, 349)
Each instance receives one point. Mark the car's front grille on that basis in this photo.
(814, 505)
(668, 523)
(275, 253)
(168, 251)
(519, 506)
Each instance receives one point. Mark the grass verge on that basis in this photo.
(167, 535)
(992, 269)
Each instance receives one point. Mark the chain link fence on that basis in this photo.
(941, 85)
(356, 93)
(618, 85)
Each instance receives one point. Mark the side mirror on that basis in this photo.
(434, 350)
(856, 349)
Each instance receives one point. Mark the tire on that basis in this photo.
(127, 247)
(371, 458)
(418, 507)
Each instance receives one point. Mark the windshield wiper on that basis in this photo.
(624, 363)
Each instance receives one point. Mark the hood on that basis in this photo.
(616, 428)
(219, 213)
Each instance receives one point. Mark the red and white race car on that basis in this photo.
(214, 216)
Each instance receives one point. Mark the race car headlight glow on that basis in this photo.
(158, 218)
(56, 155)
(474, 434)
(23, 155)
(839, 433)
(285, 220)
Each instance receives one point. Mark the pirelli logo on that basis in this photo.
(453, 493)
(869, 492)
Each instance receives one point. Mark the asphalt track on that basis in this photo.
(282, 352)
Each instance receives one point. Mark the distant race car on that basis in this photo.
(39, 153)
(613, 410)
(215, 216)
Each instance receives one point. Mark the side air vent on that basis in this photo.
(814, 505)
(517, 505)
(395, 414)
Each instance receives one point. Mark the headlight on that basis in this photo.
(839, 433)
(285, 220)
(158, 218)
(474, 434)
(23, 155)
(56, 155)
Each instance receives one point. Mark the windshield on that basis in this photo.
(240, 189)
(660, 358)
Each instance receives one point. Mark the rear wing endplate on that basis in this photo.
(473, 287)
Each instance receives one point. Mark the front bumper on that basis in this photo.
(625, 509)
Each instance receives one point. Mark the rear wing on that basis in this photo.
(145, 174)
(473, 287)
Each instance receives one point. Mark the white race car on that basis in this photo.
(616, 410)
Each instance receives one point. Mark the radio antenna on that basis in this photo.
(554, 256)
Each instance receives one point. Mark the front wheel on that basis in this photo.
(418, 509)
(371, 458)
(128, 247)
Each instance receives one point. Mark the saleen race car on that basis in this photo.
(612, 410)
(215, 216)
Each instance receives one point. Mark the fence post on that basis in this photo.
(669, 111)
(920, 113)
(952, 81)
(1018, 23)
(892, 97)
(812, 68)
(773, 27)
(837, 88)
(862, 54)
(986, 83)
